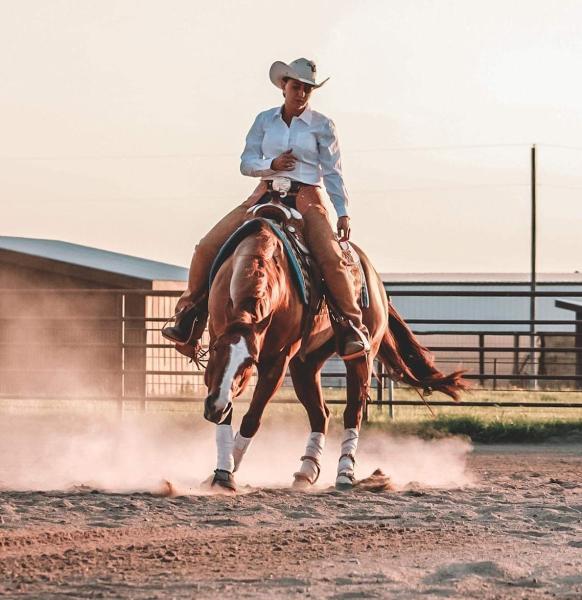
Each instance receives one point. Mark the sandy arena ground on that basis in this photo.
(509, 528)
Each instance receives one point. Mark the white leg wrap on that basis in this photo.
(349, 446)
(224, 447)
(314, 448)
(241, 445)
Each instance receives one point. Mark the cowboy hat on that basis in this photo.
(301, 69)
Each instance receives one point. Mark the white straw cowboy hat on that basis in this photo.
(301, 69)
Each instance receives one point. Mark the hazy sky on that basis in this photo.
(122, 122)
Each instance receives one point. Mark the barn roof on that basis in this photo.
(94, 258)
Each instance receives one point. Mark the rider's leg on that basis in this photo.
(325, 248)
(202, 260)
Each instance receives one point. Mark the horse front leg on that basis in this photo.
(223, 477)
(270, 377)
(358, 385)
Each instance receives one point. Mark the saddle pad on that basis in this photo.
(247, 229)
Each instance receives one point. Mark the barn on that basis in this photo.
(72, 318)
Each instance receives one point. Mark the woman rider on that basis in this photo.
(300, 145)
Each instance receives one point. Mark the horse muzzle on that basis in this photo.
(213, 413)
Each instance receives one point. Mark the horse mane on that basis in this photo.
(254, 286)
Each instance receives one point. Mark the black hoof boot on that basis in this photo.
(224, 480)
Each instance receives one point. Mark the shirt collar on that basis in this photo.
(305, 116)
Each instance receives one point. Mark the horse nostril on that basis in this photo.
(209, 409)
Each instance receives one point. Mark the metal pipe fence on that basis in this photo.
(106, 344)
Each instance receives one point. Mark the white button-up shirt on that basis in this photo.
(314, 142)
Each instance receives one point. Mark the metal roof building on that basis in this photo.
(83, 262)
(65, 331)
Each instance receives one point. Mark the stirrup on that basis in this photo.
(363, 339)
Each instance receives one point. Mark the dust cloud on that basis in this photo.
(139, 451)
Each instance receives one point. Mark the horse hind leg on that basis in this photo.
(358, 384)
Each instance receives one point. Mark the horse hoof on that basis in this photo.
(224, 480)
(301, 482)
(344, 482)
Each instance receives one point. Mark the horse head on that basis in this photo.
(230, 366)
(245, 294)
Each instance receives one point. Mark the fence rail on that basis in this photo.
(114, 348)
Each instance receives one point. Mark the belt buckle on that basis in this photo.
(281, 185)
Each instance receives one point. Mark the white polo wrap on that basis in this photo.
(224, 448)
(314, 448)
(241, 445)
(349, 446)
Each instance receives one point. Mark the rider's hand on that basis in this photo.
(284, 162)
(343, 229)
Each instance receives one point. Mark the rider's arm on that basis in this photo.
(330, 160)
(252, 161)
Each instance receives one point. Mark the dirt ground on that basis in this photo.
(515, 532)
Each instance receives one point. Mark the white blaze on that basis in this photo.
(239, 352)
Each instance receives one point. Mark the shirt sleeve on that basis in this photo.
(330, 160)
(252, 161)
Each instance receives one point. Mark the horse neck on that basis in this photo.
(257, 286)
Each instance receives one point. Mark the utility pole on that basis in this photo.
(533, 269)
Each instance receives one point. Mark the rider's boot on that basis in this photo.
(354, 341)
(189, 323)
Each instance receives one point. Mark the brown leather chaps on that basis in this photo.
(320, 239)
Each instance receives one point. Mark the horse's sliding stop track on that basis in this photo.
(257, 318)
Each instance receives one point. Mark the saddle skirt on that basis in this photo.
(287, 225)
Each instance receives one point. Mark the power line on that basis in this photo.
(557, 185)
(186, 156)
(441, 188)
(117, 157)
(440, 148)
(205, 155)
(561, 147)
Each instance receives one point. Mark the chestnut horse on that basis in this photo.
(255, 321)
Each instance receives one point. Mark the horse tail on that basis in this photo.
(406, 359)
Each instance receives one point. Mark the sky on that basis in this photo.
(122, 122)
